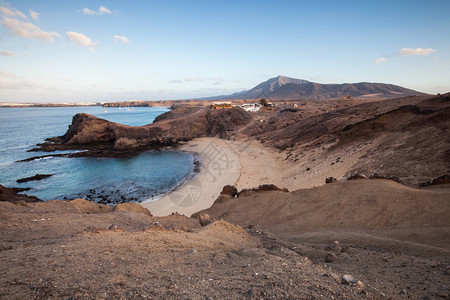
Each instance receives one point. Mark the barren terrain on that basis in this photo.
(389, 236)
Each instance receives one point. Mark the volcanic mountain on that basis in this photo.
(287, 88)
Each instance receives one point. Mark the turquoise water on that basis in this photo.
(135, 178)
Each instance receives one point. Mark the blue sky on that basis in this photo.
(71, 51)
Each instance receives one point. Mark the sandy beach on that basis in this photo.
(248, 164)
(220, 166)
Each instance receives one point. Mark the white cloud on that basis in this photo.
(34, 15)
(7, 53)
(101, 11)
(406, 52)
(121, 38)
(87, 11)
(7, 74)
(7, 12)
(27, 30)
(21, 14)
(55, 34)
(80, 40)
(418, 51)
(380, 60)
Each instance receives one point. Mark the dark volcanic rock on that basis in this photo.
(222, 122)
(378, 176)
(330, 180)
(104, 138)
(33, 178)
(444, 179)
(357, 176)
(10, 195)
(263, 188)
(229, 190)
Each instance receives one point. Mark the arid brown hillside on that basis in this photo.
(81, 250)
(381, 231)
(363, 204)
(411, 135)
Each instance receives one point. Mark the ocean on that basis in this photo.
(140, 178)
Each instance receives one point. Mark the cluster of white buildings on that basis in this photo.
(252, 107)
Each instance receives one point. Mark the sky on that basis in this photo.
(101, 51)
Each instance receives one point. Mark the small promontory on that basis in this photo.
(104, 138)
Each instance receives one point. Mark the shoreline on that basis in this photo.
(252, 164)
(220, 166)
(196, 169)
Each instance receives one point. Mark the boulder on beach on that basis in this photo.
(229, 190)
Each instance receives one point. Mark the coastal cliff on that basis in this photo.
(104, 138)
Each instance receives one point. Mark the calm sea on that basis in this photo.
(138, 178)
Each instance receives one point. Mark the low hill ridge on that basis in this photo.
(287, 88)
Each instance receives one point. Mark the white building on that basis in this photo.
(253, 107)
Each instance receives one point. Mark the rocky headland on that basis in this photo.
(104, 138)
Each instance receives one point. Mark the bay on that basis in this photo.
(139, 178)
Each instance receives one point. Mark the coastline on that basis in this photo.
(220, 166)
(247, 164)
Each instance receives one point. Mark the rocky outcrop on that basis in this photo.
(379, 176)
(444, 179)
(330, 180)
(11, 195)
(104, 138)
(204, 219)
(34, 178)
(229, 190)
(133, 207)
(357, 176)
(263, 188)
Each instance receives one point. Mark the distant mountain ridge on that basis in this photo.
(282, 87)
